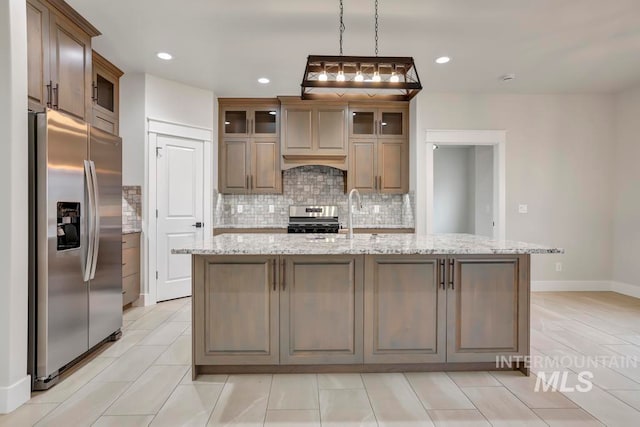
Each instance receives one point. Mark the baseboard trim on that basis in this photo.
(626, 289)
(585, 286)
(13, 396)
(569, 285)
(143, 301)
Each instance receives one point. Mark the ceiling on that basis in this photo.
(553, 46)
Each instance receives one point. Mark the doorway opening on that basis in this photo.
(463, 189)
(466, 182)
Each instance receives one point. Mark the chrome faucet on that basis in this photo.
(350, 210)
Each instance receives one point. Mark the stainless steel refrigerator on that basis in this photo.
(75, 242)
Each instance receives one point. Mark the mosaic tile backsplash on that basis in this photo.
(312, 185)
(131, 207)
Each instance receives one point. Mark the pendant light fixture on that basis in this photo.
(391, 78)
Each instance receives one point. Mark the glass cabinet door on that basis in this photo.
(362, 123)
(105, 93)
(265, 122)
(236, 122)
(392, 123)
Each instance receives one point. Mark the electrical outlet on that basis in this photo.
(558, 266)
(240, 208)
(376, 208)
(272, 209)
(523, 209)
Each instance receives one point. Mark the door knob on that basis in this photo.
(198, 225)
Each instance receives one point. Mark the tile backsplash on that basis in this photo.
(132, 206)
(312, 185)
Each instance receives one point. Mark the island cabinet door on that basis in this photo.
(404, 309)
(236, 310)
(487, 307)
(321, 310)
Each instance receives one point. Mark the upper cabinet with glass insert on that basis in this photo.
(378, 121)
(105, 94)
(254, 121)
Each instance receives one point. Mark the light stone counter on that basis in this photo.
(385, 244)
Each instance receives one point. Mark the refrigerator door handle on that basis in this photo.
(96, 219)
(90, 220)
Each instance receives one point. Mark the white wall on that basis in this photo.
(483, 201)
(132, 127)
(558, 161)
(15, 385)
(145, 96)
(626, 190)
(178, 103)
(454, 187)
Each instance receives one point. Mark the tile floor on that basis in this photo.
(144, 379)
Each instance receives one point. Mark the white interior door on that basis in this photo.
(180, 196)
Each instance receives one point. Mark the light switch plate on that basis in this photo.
(376, 208)
(558, 266)
(272, 209)
(523, 209)
(240, 209)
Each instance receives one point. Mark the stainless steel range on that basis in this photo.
(313, 219)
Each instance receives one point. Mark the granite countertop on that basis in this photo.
(369, 226)
(393, 244)
(131, 230)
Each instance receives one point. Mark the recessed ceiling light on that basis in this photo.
(442, 60)
(164, 55)
(263, 80)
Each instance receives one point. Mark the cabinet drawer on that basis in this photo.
(131, 240)
(130, 288)
(130, 261)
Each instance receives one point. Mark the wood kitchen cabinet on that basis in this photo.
(358, 311)
(105, 96)
(379, 120)
(250, 166)
(405, 310)
(130, 268)
(487, 307)
(314, 131)
(279, 310)
(379, 166)
(59, 58)
(249, 117)
(429, 309)
(321, 310)
(249, 152)
(378, 148)
(237, 309)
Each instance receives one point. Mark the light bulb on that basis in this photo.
(359, 77)
(340, 76)
(394, 78)
(376, 77)
(323, 76)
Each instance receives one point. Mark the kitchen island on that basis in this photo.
(376, 303)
